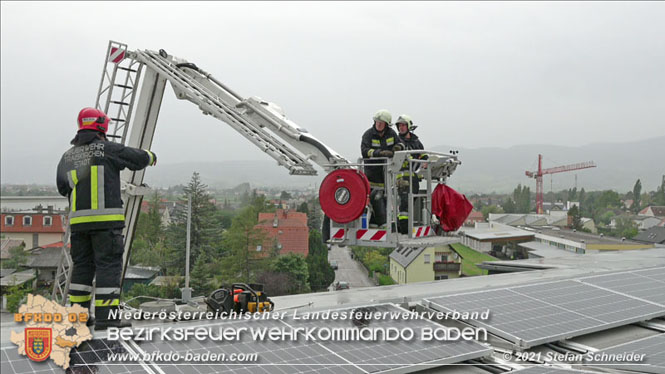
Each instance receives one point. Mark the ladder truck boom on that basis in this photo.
(261, 122)
(131, 90)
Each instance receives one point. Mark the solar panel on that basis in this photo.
(542, 313)
(303, 356)
(643, 284)
(384, 356)
(652, 347)
(90, 357)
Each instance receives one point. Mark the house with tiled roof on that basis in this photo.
(653, 211)
(285, 230)
(474, 216)
(35, 229)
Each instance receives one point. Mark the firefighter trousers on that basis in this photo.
(97, 253)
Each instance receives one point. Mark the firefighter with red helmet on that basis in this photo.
(89, 175)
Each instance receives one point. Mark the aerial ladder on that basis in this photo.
(131, 90)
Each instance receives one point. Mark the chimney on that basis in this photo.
(50, 209)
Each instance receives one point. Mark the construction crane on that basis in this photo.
(538, 175)
(131, 91)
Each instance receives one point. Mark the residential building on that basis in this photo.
(496, 239)
(25, 203)
(285, 230)
(552, 218)
(45, 262)
(423, 264)
(653, 211)
(35, 229)
(582, 242)
(166, 209)
(474, 217)
(655, 235)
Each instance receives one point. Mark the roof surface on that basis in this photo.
(543, 250)
(37, 225)
(652, 235)
(291, 231)
(45, 258)
(6, 245)
(405, 255)
(578, 236)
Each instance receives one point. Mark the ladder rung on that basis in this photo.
(118, 119)
(119, 102)
(127, 69)
(124, 86)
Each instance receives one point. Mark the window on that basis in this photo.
(427, 258)
(27, 221)
(48, 221)
(9, 220)
(440, 277)
(259, 248)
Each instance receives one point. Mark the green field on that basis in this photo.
(470, 258)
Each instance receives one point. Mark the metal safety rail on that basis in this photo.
(440, 166)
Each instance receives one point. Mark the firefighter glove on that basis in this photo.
(153, 158)
(398, 147)
(403, 182)
(386, 153)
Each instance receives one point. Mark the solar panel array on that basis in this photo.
(646, 284)
(536, 314)
(652, 347)
(299, 356)
(90, 357)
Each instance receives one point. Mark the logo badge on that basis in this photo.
(38, 343)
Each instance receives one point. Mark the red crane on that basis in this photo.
(557, 169)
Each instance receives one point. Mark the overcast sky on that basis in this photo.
(471, 74)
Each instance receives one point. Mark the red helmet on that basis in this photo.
(93, 119)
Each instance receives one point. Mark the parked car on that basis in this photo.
(334, 265)
(341, 286)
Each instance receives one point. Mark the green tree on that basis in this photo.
(206, 227)
(295, 266)
(15, 296)
(487, 209)
(202, 279)
(659, 198)
(17, 257)
(303, 208)
(637, 194)
(321, 274)
(285, 196)
(574, 212)
(625, 227)
(509, 206)
(522, 199)
(241, 242)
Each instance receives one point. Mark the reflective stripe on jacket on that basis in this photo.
(89, 174)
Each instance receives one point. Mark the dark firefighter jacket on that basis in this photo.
(89, 174)
(412, 143)
(372, 143)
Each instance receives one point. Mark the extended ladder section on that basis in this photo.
(262, 123)
(129, 75)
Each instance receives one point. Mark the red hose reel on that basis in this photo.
(344, 194)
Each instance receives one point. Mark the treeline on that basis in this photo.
(221, 248)
(601, 206)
